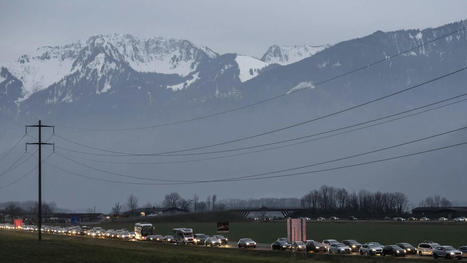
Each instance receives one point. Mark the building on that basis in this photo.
(435, 212)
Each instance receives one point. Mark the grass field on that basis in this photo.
(383, 232)
(23, 247)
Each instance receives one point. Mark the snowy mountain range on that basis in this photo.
(158, 72)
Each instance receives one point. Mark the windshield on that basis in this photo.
(449, 248)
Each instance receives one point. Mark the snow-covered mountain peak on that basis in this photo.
(249, 67)
(284, 55)
(43, 67)
(157, 54)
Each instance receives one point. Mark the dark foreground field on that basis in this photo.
(454, 234)
(23, 247)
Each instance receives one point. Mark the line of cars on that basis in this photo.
(349, 246)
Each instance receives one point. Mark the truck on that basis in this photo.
(142, 230)
(183, 235)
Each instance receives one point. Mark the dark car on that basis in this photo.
(246, 243)
(200, 239)
(315, 246)
(213, 242)
(354, 245)
(463, 249)
(223, 239)
(281, 244)
(299, 246)
(409, 249)
(169, 239)
(393, 250)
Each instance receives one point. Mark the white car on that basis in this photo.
(460, 219)
(339, 248)
(371, 249)
(328, 242)
(426, 248)
(443, 219)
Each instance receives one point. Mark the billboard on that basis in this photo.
(296, 229)
(223, 227)
(75, 220)
(18, 223)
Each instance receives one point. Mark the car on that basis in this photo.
(320, 219)
(156, 238)
(353, 218)
(371, 249)
(200, 239)
(424, 219)
(426, 248)
(339, 248)
(223, 239)
(409, 249)
(399, 219)
(213, 242)
(299, 246)
(393, 250)
(334, 218)
(281, 244)
(443, 219)
(246, 243)
(447, 252)
(460, 219)
(463, 249)
(315, 246)
(169, 239)
(328, 242)
(354, 245)
(412, 218)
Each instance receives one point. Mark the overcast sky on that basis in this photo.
(243, 26)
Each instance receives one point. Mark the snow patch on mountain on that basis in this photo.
(284, 55)
(185, 84)
(249, 67)
(300, 86)
(2, 79)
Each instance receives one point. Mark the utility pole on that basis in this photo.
(39, 144)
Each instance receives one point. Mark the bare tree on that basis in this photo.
(117, 209)
(214, 199)
(172, 200)
(132, 203)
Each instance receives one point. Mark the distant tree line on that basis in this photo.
(435, 201)
(325, 200)
(332, 199)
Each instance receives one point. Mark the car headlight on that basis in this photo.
(452, 253)
(373, 249)
(408, 249)
(354, 246)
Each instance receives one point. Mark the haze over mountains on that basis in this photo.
(121, 81)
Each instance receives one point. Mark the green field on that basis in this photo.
(23, 247)
(383, 232)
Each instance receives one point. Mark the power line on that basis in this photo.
(272, 176)
(277, 129)
(7, 152)
(287, 169)
(289, 140)
(15, 164)
(120, 174)
(387, 58)
(28, 173)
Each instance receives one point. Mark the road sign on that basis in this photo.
(223, 227)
